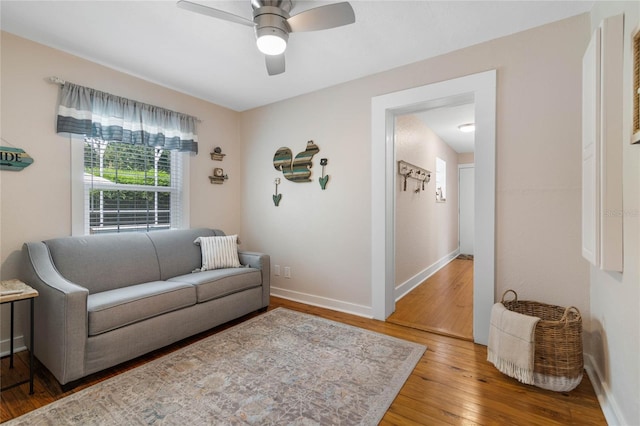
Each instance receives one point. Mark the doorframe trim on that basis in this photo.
(462, 166)
(384, 108)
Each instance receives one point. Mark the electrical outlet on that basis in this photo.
(276, 270)
(287, 272)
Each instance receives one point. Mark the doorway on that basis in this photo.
(434, 221)
(482, 88)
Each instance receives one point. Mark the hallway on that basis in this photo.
(442, 304)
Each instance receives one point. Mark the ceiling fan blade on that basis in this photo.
(275, 64)
(216, 13)
(322, 18)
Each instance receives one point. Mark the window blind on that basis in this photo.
(636, 87)
(131, 188)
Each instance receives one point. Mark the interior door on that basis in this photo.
(466, 208)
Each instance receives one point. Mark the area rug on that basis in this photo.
(280, 368)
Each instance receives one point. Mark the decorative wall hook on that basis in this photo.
(277, 197)
(324, 178)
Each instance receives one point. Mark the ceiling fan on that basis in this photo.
(273, 24)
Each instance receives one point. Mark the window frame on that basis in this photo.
(441, 177)
(80, 191)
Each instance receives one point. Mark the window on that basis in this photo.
(131, 187)
(636, 88)
(441, 180)
(128, 169)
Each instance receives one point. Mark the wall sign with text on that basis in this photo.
(14, 159)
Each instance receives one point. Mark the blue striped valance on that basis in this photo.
(96, 114)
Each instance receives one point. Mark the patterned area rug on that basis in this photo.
(282, 367)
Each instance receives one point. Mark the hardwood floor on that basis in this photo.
(442, 304)
(452, 384)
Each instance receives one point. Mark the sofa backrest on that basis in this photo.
(177, 253)
(110, 261)
(105, 262)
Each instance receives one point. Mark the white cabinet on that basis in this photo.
(602, 106)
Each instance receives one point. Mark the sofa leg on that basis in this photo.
(263, 309)
(70, 386)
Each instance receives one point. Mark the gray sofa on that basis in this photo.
(106, 299)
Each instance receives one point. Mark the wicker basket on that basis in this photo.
(558, 363)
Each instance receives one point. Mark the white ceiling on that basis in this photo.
(444, 122)
(218, 61)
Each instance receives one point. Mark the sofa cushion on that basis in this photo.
(219, 252)
(113, 309)
(221, 282)
(177, 254)
(105, 262)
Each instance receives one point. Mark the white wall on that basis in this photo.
(614, 351)
(426, 230)
(35, 204)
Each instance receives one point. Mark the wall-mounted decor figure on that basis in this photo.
(277, 197)
(324, 178)
(217, 154)
(295, 169)
(218, 176)
(14, 159)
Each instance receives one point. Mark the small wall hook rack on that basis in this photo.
(411, 171)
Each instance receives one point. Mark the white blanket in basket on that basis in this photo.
(512, 343)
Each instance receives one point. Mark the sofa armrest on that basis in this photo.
(60, 314)
(262, 262)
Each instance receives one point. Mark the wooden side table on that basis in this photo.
(12, 291)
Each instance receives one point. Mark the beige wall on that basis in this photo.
(426, 230)
(326, 235)
(35, 203)
(614, 349)
(466, 158)
(323, 236)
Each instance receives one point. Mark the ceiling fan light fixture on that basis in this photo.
(467, 127)
(271, 45)
(271, 41)
(272, 24)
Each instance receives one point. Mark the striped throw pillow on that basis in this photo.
(219, 252)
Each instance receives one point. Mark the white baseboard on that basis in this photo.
(18, 345)
(413, 282)
(610, 408)
(323, 302)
